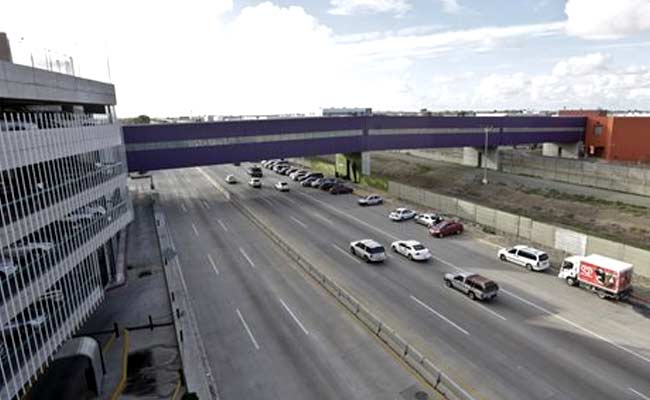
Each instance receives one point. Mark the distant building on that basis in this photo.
(613, 136)
(346, 112)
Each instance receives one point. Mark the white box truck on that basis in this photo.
(607, 277)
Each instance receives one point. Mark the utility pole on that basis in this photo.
(485, 151)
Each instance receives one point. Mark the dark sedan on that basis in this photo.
(341, 189)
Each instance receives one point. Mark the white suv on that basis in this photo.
(368, 250)
(532, 259)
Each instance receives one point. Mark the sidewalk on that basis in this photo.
(153, 361)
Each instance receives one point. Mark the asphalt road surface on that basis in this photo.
(539, 340)
(270, 333)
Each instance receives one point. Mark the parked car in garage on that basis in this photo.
(282, 186)
(341, 189)
(532, 259)
(368, 250)
(411, 249)
(230, 179)
(401, 214)
(475, 286)
(446, 228)
(255, 182)
(428, 219)
(370, 200)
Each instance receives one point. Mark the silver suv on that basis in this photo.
(368, 250)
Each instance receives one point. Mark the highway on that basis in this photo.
(539, 340)
(270, 333)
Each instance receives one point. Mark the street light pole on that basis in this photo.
(484, 158)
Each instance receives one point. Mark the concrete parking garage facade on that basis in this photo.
(64, 207)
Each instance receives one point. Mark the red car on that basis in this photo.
(446, 228)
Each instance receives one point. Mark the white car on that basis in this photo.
(282, 186)
(368, 250)
(231, 179)
(428, 219)
(532, 259)
(255, 182)
(370, 200)
(411, 249)
(401, 214)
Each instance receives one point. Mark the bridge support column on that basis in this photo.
(352, 165)
(475, 157)
(564, 150)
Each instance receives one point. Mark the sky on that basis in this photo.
(232, 57)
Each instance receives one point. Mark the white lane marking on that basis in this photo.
(214, 265)
(364, 223)
(290, 200)
(346, 253)
(223, 226)
(641, 395)
(286, 307)
(579, 327)
(317, 215)
(183, 207)
(250, 334)
(496, 246)
(299, 222)
(196, 231)
(496, 314)
(439, 315)
(205, 204)
(243, 253)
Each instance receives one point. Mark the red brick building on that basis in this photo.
(615, 137)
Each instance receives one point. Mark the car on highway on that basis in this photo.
(446, 228)
(254, 171)
(411, 249)
(370, 200)
(368, 250)
(282, 186)
(255, 182)
(307, 182)
(230, 179)
(475, 286)
(341, 189)
(532, 259)
(428, 219)
(401, 214)
(327, 184)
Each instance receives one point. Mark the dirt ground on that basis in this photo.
(612, 220)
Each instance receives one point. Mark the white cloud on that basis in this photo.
(451, 6)
(354, 7)
(607, 19)
(575, 82)
(582, 65)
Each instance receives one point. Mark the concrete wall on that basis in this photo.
(451, 155)
(547, 235)
(621, 178)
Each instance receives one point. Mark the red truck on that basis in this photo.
(608, 277)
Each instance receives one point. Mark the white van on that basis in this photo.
(532, 259)
(368, 250)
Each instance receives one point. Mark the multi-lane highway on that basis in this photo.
(268, 331)
(539, 340)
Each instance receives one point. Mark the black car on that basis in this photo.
(341, 189)
(255, 172)
(327, 184)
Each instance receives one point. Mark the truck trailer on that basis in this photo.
(607, 277)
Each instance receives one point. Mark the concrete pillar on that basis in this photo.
(365, 164)
(474, 157)
(564, 150)
(471, 156)
(5, 49)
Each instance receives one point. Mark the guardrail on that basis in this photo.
(404, 350)
(196, 368)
